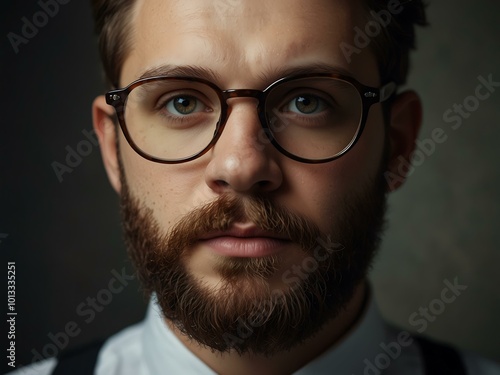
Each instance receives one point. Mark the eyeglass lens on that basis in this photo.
(312, 118)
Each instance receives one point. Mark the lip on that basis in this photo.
(244, 241)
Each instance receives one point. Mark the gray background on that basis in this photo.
(66, 239)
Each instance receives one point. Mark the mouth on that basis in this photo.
(244, 240)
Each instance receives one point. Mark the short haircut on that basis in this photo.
(391, 46)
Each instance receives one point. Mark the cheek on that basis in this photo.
(170, 190)
(317, 192)
(320, 191)
(362, 162)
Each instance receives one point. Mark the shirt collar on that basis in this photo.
(165, 353)
(360, 343)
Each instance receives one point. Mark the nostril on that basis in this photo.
(264, 184)
(221, 183)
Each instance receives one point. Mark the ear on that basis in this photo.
(106, 131)
(405, 121)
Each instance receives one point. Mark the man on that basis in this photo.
(253, 145)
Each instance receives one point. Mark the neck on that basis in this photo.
(284, 362)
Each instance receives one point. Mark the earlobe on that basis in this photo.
(405, 121)
(106, 131)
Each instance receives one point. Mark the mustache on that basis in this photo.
(159, 253)
(226, 210)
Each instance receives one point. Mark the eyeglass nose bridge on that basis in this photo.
(224, 96)
(245, 93)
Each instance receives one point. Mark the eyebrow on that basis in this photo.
(267, 77)
(181, 71)
(318, 68)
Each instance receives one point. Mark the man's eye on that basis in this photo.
(306, 104)
(183, 105)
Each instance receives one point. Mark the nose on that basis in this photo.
(243, 160)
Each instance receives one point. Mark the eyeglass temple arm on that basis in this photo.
(386, 91)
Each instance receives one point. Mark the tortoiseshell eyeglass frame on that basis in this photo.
(369, 96)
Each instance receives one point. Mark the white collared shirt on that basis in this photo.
(151, 348)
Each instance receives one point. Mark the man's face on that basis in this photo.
(243, 252)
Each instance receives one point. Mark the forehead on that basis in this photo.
(245, 42)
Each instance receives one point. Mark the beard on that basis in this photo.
(243, 313)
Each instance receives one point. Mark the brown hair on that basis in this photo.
(391, 47)
(112, 19)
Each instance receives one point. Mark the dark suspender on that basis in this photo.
(81, 361)
(438, 359)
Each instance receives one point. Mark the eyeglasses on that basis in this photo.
(311, 118)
